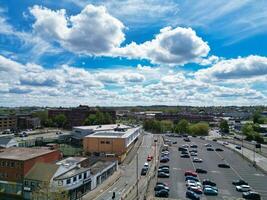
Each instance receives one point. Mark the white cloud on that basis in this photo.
(239, 69)
(171, 46)
(93, 31)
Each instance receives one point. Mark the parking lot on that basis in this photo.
(223, 177)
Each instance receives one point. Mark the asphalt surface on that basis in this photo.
(128, 177)
(248, 145)
(240, 168)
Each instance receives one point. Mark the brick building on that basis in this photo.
(76, 116)
(16, 162)
(8, 122)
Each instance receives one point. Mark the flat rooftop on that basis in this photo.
(71, 161)
(21, 153)
(113, 134)
(102, 127)
(100, 166)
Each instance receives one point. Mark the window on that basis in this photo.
(32, 184)
(68, 181)
(102, 142)
(3, 163)
(107, 142)
(85, 175)
(12, 164)
(7, 164)
(74, 178)
(80, 176)
(26, 183)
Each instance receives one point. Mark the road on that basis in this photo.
(248, 145)
(128, 177)
(223, 177)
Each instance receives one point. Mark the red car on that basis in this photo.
(149, 158)
(190, 173)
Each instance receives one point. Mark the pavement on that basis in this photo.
(240, 169)
(128, 173)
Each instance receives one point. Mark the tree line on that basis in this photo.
(182, 127)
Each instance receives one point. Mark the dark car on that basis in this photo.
(161, 187)
(193, 146)
(163, 175)
(166, 170)
(219, 149)
(162, 193)
(187, 140)
(175, 142)
(223, 165)
(144, 171)
(239, 182)
(185, 156)
(164, 160)
(238, 147)
(193, 150)
(192, 195)
(210, 149)
(184, 152)
(251, 195)
(215, 140)
(164, 166)
(161, 183)
(182, 149)
(208, 182)
(201, 171)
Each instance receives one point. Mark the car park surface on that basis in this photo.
(223, 177)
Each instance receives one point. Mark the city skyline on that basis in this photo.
(121, 53)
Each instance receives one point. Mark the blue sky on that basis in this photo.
(133, 52)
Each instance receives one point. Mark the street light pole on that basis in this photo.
(137, 191)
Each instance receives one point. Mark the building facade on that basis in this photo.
(116, 142)
(76, 116)
(8, 122)
(16, 162)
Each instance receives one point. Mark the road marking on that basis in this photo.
(216, 172)
(259, 175)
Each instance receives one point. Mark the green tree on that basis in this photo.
(257, 118)
(99, 118)
(60, 120)
(200, 128)
(182, 126)
(42, 115)
(224, 127)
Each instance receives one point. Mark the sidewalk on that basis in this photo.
(103, 187)
(260, 161)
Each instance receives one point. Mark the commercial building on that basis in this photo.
(16, 162)
(76, 116)
(116, 142)
(188, 116)
(28, 122)
(8, 122)
(73, 176)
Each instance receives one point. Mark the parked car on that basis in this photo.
(197, 190)
(185, 156)
(193, 146)
(208, 182)
(193, 183)
(197, 160)
(190, 173)
(243, 188)
(201, 171)
(187, 140)
(163, 175)
(161, 187)
(162, 183)
(251, 195)
(185, 146)
(238, 147)
(239, 182)
(175, 142)
(182, 149)
(223, 165)
(166, 170)
(219, 149)
(164, 166)
(193, 150)
(191, 178)
(193, 154)
(162, 193)
(164, 160)
(210, 149)
(146, 165)
(202, 138)
(184, 152)
(208, 145)
(212, 187)
(192, 195)
(225, 143)
(210, 191)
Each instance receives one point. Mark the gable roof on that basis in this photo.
(42, 172)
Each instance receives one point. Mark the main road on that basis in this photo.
(129, 171)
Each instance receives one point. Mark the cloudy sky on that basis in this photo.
(133, 52)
